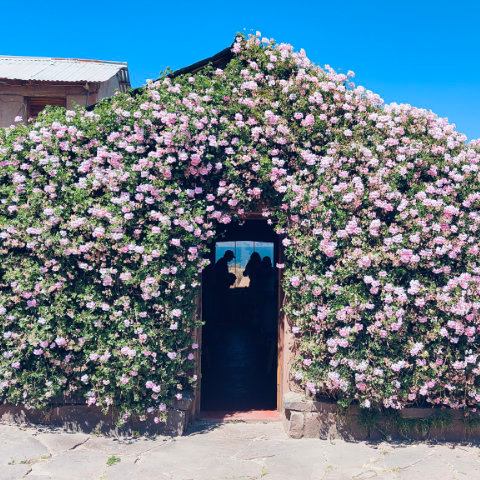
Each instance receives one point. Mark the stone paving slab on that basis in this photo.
(231, 451)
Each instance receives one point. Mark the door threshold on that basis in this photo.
(241, 416)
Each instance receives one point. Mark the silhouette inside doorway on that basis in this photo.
(239, 340)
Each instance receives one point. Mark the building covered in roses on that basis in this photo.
(252, 233)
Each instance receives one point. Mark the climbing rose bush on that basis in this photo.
(105, 217)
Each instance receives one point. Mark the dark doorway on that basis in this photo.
(240, 311)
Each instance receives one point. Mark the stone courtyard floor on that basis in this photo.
(235, 451)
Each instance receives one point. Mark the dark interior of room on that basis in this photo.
(239, 304)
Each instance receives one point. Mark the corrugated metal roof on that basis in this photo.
(58, 69)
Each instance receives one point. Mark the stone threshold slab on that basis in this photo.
(242, 416)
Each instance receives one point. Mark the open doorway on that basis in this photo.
(240, 311)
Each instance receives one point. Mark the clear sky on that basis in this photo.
(423, 52)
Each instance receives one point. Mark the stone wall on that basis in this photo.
(306, 418)
(82, 418)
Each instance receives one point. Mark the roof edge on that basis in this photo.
(60, 59)
(224, 55)
(219, 59)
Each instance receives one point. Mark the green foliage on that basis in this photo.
(113, 460)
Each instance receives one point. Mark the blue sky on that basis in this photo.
(422, 52)
(243, 250)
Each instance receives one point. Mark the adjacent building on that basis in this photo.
(28, 84)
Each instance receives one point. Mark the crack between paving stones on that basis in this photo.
(259, 457)
(51, 455)
(381, 470)
(257, 460)
(28, 473)
(411, 464)
(244, 448)
(141, 454)
(79, 444)
(33, 461)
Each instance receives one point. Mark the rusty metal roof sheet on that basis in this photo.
(58, 69)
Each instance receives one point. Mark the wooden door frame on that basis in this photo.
(281, 358)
